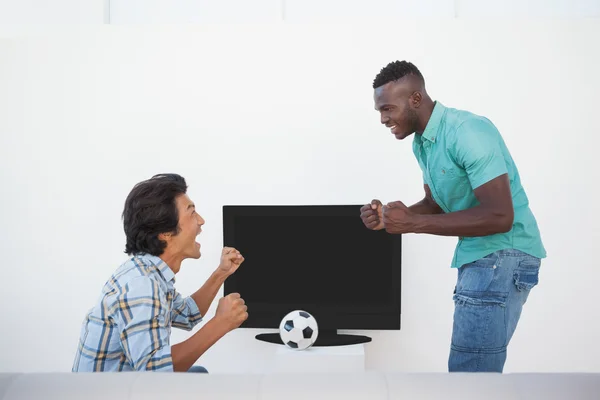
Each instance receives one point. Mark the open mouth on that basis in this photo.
(394, 129)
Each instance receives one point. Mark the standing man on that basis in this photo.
(129, 328)
(472, 191)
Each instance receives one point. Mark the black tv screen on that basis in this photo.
(317, 258)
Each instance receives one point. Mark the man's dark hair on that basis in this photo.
(150, 210)
(394, 71)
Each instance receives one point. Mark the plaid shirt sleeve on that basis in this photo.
(185, 313)
(142, 322)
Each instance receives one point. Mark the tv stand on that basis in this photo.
(326, 338)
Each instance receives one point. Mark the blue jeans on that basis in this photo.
(197, 368)
(488, 299)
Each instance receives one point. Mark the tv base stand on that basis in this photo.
(326, 338)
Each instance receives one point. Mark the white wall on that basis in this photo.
(212, 11)
(284, 114)
(18, 16)
(195, 11)
(24, 16)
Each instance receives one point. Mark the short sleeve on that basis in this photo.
(185, 313)
(477, 147)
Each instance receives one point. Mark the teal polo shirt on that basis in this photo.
(460, 151)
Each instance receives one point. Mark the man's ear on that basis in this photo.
(415, 99)
(164, 236)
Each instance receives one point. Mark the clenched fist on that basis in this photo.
(232, 311)
(231, 259)
(397, 218)
(372, 215)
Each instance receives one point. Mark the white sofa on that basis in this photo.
(367, 385)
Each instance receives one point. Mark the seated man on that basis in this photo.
(129, 328)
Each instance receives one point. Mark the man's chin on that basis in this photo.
(195, 254)
(401, 136)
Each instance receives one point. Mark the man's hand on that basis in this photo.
(231, 311)
(231, 259)
(371, 215)
(397, 218)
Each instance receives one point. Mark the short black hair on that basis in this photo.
(150, 210)
(394, 71)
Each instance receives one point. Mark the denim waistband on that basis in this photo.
(510, 253)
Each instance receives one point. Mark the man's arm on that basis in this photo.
(231, 312)
(231, 259)
(476, 148)
(204, 296)
(186, 314)
(186, 353)
(427, 205)
(493, 215)
(189, 311)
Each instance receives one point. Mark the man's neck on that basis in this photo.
(172, 261)
(426, 111)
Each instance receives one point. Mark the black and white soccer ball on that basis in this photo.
(298, 330)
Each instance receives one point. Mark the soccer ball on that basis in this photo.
(298, 330)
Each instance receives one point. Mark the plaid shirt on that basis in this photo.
(130, 326)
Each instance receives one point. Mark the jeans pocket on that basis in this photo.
(478, 275)
(526, 275)
(479, 324)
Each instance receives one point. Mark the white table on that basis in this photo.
(345, 359)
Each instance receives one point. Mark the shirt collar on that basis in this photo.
(431, 130)
(162, 266)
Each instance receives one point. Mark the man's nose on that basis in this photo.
(384, 119)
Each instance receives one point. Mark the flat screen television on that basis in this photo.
(316, 258)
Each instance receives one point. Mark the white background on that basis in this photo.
(14, 14)
(283, 114)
